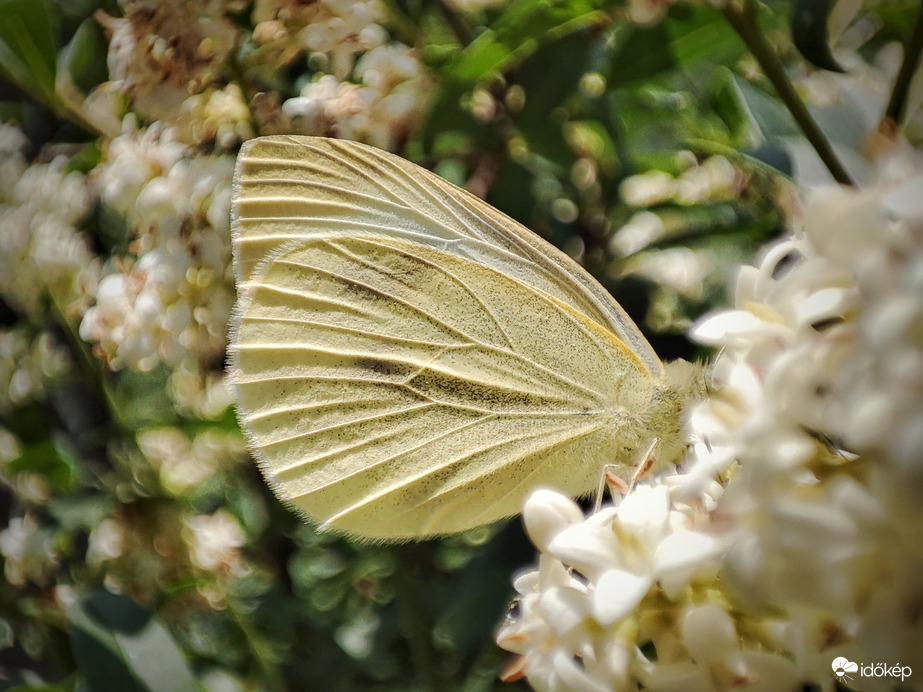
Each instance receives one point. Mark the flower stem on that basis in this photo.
(414, 621)
(894, 113)
(743, 21)
(91, 366)
(401, 26)
(458, 25)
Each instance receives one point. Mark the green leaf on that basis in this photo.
(48, 458)
(548, 77)
(112, 229)
(699, 35)
(729, 106)
(84, 58)
(771, 127)
(86, 159)
(518, 33)
(524, 20)
(485, 55)
(118, 645)
(81, 512)
(27, 48)
(766, 115)
(142, 398)
(809, 33)
(640, 53)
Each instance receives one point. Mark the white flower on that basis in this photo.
(107, 542)
(389, 102)
(10, 448)
(712, 180)
(126, 337)
(202, 394)
(184, 464)
(683, 270)
(214, 540)
(327, 105)
(219, 115)
(342, 29)
(716, 661)
(28, 553)
(26, 366)
(647, 189)
(810, 361)
(132, 159)
(12, 141)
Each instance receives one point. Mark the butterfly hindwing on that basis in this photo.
(397, 390)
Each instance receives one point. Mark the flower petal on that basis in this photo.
(709, 634)
(546, 513)
(682, 556)
(617, 593)
(588, 549)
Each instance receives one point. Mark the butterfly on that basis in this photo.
(410, 362)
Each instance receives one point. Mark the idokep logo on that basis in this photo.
(842, 667)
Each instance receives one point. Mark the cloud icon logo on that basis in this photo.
(842, 666)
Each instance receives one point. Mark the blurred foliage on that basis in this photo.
(546, 108)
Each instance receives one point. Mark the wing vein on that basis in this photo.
(408, 479)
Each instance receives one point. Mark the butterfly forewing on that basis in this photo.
(291, 188)
(397, 390)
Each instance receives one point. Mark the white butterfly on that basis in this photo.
(410, 362)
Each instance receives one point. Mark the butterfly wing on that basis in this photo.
(290, 188)
(396, 390)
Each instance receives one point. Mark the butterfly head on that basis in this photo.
(683, 385)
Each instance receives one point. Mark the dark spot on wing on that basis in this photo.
(387, 369)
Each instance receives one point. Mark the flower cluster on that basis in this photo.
(216, 115)
(42, 253)
(712, 180)
(173, 302)
(28, 552)
(127, 547)
(576, 626)
(361, 85)
(181, 463)
(26, 365)
(168, 299)
(790, 536)
(160, 53)
(380, 107)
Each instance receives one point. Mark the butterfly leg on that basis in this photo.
(647, 463)
(609, 478)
